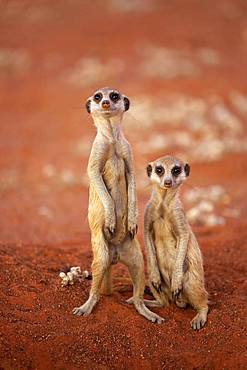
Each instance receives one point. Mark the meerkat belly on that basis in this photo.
(115, 181)
(166, 246)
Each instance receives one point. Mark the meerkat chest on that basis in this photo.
(114, 170)
(164, 236)
(165, 244)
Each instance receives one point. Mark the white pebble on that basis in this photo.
(214, 220)
(45, 212)
(206, 206)
(49, 170)
(193, 214)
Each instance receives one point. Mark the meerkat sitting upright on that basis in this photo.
(174, 258)
(112, 211)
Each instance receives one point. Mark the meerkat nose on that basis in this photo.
(105, 104)
(167, 182)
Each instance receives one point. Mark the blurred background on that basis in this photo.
(182, 63)
(183, 66)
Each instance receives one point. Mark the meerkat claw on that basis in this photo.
(132, 234)
(158, 320)
(197, 323)
(77, 311)
(176, 293)
(200, 319)
(109, 232)
(133, 231)
(157, 287)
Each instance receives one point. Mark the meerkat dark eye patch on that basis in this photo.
(176, 171)
(159, 170)
(187, 169)
(88, 106)
(97, 97)
(149, 170)
(114, 96)
(126, 104)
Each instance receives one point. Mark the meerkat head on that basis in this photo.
(107, 102)
(168, 172)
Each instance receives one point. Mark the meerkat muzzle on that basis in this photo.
(168, 183)
(105, 104)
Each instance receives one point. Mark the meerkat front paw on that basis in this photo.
(155, 280)
(132, 229)
(110, 224)
(132, 221)
(176, 284)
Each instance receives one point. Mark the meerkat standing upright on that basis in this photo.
(174, 258)
(112, 211)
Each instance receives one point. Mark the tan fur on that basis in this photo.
(112, 211)
(174, 258)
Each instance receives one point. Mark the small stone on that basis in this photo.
(46, 212)
(68, 177)
(214, 220)
(49, 170)
(193, 214)
(206, 206)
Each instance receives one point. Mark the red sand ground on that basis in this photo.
(41, 122)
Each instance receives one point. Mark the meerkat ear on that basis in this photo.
(187, 169)
(149, 169)
(126, 103)
(88, 106)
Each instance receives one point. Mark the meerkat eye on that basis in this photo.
(176, 170)
(114, 96)
(97, 97)
(159, 170)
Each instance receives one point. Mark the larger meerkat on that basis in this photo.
(174, 258)
(112, 211)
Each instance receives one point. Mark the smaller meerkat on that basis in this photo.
(174, 258)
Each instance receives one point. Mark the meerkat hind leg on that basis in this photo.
(197, 296)
(131, 256)
(87, 307)
(200, 319)
(160, 297)
(153, 303)
(99, 269)
(106, 287)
